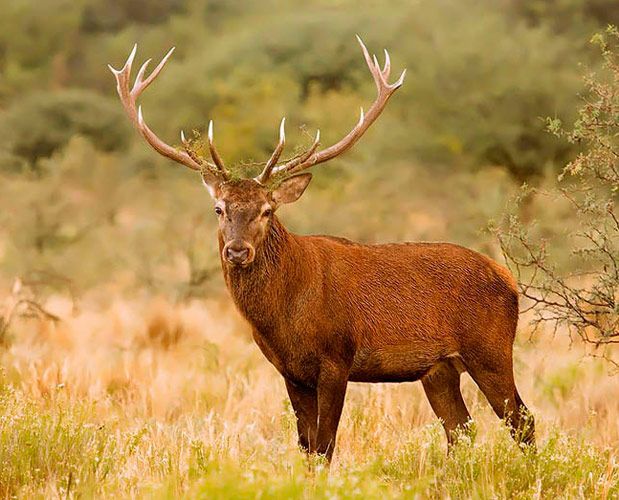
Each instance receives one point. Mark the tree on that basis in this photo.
(42, 123)
(584, 299)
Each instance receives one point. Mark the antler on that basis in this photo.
(217, 170)
(214, 154)
(311, 157)
(268, 168)
(129, 98)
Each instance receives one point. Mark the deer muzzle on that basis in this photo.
(238, 253)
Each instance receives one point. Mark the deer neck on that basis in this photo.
(260, 287)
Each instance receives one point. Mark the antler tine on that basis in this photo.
(144, 84)
(373, 65)
(122, 76)
(129, 97)
(384, 92)
(277, 152)
(292, 164)
(219, 163)
(387, 68)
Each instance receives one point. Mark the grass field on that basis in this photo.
(149, 399)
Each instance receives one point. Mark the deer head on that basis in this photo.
(245, 207)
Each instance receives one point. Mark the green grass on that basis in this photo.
(52, 448)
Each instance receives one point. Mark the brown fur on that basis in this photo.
(326, 311)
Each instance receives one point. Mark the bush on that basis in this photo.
(585, 298)
(40, 124)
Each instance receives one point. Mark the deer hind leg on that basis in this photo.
(496, 381)
(442, 387)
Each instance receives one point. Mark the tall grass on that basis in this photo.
(152, 399)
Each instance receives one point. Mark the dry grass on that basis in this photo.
(148, 398)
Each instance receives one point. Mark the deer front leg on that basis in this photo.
(304, 404)
(332, 383)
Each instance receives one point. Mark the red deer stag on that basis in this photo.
(326, 311)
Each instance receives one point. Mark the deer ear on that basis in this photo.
(211, 182)
(291, 189)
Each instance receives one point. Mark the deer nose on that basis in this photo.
(236, 253)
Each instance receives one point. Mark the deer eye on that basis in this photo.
(218, 210)
(267, 213)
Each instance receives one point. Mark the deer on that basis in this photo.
(326, 311)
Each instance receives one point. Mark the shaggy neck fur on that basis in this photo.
(260, 287)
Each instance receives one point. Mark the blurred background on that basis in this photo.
(84, 200)
(124, 368)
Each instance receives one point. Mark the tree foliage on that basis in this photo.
(41, 123)
(585, 297)
(474, 95)
(81, 195)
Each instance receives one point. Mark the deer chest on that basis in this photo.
(292, 358)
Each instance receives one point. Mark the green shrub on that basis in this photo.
(38, 125)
